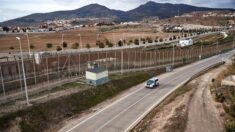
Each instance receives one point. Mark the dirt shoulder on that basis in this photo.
(191, 108)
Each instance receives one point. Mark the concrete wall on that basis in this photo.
(97, 82)
(94, 76)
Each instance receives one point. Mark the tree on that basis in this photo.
(11, 48)
(137, 42)
(100, 44)
(108, 43)
(124, 41)
(58, 48)
(7, 29)
(49, 45)
(88, 46)
(75, 46)
(31, 46)
(131, 41)
(143, 39)
(65, 44)
(120, 43)
(149, 40)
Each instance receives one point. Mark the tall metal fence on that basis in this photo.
(60, 68)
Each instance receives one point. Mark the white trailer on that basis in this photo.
(187, 42)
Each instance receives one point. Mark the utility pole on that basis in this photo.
(27, 35)
(80, 41)
(22, 62)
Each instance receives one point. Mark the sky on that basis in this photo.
(10, 9)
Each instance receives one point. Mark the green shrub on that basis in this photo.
(49, 45)
(58, 48)
(230, 127)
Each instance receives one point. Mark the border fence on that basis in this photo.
(60, 68)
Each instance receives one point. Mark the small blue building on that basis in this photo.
(97, 76)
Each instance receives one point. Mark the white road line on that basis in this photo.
(107, 107)
(153, 106)
(131, 106)
(126, 97)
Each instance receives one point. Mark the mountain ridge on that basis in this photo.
(149, 9)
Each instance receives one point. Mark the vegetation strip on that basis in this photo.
(43, 116)
(226, 96)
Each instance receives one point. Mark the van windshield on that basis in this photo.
(150, 82)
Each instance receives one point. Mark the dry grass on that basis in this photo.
(89, 36)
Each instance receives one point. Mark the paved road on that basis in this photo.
(124, 113)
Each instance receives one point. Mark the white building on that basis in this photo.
(97, 76)
(187, 42)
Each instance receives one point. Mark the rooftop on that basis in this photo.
(97, 70)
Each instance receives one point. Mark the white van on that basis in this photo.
(151, 83)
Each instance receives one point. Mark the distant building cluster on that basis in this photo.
(60, 25)
(208, 14)
(190, 28)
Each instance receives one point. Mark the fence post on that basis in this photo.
(47, 69)
(135, 60)
(122, 62)
(18, 66)
(79, 64)
(3, 86)
(128, 63)
(115, 62)
(34, 71)
(58, 66)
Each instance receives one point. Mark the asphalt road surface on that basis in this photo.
(126, 112)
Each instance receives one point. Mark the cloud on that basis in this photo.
(16, 8)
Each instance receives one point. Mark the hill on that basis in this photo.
(150, 9)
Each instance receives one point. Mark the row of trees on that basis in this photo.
(120, 43)
(31, 47)
(107, 43)
(65, 45)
